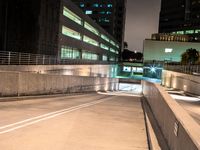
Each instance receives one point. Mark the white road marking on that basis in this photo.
(40, 118)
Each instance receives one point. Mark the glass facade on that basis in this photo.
(69, 53)
(91, 28)
(69, 14)
(71, 33)
(90, 56)
(90, 41)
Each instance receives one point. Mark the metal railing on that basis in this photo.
(16, 58)
(188, 69)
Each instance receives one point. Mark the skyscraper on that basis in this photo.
(180, 17)
(109, 14)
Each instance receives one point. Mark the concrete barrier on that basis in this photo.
(21, 83)
(185, 82)
(180, 131)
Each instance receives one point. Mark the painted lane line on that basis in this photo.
(44, 115)
(52, 116)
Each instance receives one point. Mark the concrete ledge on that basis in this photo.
(179, 129)
(23, 84)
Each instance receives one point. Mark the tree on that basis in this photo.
(191, 56)
(125, 45)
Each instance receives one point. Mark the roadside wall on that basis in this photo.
(77, 70)
(180, 131)
(181, 81)
(20, 83)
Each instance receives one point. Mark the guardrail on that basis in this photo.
(188, 69)
(16, 58)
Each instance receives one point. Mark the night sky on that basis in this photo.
(141, 21)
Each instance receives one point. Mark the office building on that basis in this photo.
(109, 14)
(54, 27)
(180, 17)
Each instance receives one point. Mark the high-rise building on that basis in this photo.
(109, 14)
(180, 17)
(54, 27)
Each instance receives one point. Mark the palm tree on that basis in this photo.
(191, 56)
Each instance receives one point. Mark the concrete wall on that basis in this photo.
(21, 83)
(155, 50)
(168, 113)
(185, 82)
(77, 70)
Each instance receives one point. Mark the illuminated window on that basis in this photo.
(82, 5)
(95, 5)
(102, 12)
(71, 33)
(69, 53)
(88, 12)
(90, 56)
(189, 31)
(197, 31)
(104, 20)
(180, 32)
(108, 13)
(90, 41)
(168, 50)
(126, 69)
(112, 50)
(112, 58)
(69, 14)
(105, 58)
(105, 37)
(104, 46)
(112, 42)
(91, 28)
(109, 5)
(139, 70)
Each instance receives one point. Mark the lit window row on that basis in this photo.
(90, 56)
(114, 51)
(74, 34)
(110, 41)
(104, 46)
(69, 53)
(74, 53)
(91, 28)
(105, 38)
(187, 31)
(90, 41)
(96, 5)
(71, 33)
(69, 14)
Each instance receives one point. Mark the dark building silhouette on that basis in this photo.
(180, 17)
(53, 27)
(30, 26)
(109, 14)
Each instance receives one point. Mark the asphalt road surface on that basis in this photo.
(82, 122)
